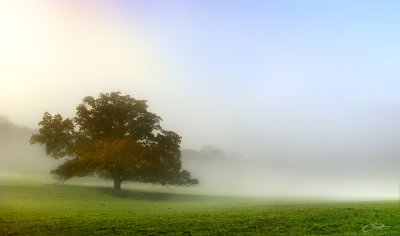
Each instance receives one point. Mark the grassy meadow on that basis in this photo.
(39, 209)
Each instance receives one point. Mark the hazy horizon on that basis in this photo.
(310, 90)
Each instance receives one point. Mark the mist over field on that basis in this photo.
(232, 174)
(17, 157)
(229, 173)
(274, 98)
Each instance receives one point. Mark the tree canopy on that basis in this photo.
(114, 137)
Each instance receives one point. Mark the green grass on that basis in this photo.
(35, 209)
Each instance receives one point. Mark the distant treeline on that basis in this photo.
(17, 155)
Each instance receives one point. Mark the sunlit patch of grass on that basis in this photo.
(71, 210)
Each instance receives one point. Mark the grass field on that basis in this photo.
(36, 209)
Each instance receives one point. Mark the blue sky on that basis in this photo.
(345, 49)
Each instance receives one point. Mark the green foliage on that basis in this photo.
(114, 137)
(56, 210)
(57, 134)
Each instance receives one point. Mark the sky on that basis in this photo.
(311, 82)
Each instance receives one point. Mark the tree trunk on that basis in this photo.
(117, 183)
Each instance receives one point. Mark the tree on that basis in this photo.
(113, 137)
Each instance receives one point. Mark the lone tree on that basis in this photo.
(113, 137)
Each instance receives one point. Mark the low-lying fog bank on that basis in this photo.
(232, 174)
(226, 173)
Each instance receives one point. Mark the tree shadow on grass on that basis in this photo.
(148, 195)
(155, 196)
(137, 195)
(133, 194)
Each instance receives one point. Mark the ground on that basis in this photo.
(39, 209)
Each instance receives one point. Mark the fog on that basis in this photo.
(17, 157)
(374, 176)
(231, 174)
(271, 99)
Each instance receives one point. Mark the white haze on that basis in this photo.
(310, 108)
(230, 173)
